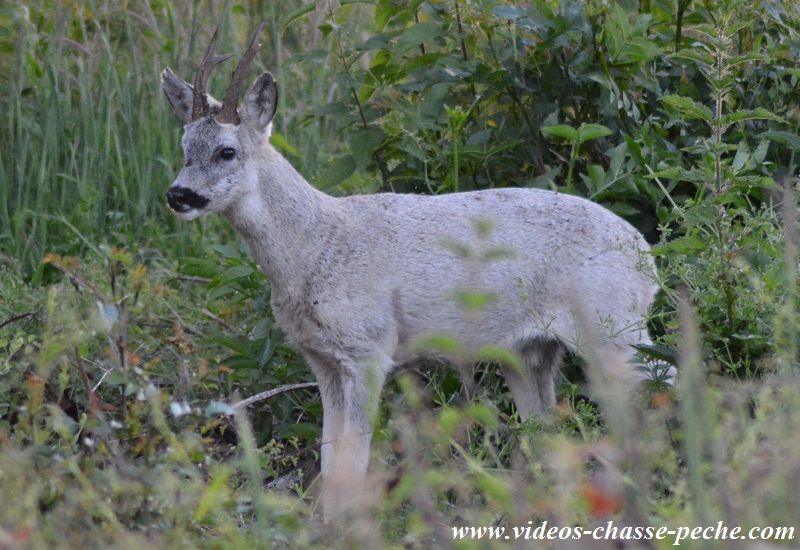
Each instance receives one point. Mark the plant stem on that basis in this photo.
(350, 82)
(461, 31)
(573, 158)
(719, 187)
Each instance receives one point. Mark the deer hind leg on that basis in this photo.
(533, 388)
(349, 394)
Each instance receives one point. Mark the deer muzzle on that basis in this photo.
(181, 199)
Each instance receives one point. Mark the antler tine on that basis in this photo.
(200, 106)
(231, 100)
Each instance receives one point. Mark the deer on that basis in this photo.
(359, 282)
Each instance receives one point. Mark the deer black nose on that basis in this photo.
(181, 199)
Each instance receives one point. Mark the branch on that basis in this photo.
(17, 318)
(272, 393)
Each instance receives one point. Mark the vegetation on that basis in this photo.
(128, 337)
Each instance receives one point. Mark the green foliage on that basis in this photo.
(90, 143)
(120, 396)
(123, 354)
(724, 242)
(681, 138)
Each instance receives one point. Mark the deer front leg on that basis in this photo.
(349, 399)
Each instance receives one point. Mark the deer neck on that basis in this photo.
(285, 221)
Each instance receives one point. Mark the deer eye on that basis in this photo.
(227, 153)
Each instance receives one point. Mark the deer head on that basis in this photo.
(220, 140)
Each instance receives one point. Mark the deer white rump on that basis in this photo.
(359, 282)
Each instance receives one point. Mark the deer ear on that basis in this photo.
(260, 103)
(180, 95)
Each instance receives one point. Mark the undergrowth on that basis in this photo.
(128, 341)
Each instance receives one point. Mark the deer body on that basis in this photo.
(359, 282)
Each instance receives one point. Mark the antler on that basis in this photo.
(200, 106)
(231, 100)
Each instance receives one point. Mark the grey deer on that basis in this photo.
(359, 282)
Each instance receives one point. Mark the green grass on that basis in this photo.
(125, 335)
(90, 139)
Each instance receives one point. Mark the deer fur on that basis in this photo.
(359, 282)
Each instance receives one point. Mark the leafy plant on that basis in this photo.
(126, 358)
(728, 247)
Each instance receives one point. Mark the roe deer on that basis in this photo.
(358, 282)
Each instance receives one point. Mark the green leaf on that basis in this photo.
(384, 11)
(617, 158)
(789, 139)
(431, 104)
(413, 37)
(304, 431)
(378, 42)
(761, 151)
(116, 378)
(53, 349)
(596, 176)
(622, 209)
(693, 174)
(338, 171)
(266, 352)
(663, 353)
(442, 344)
(497, 354)
(227, 251)
(364, 141)
(592, 131)
(741, 157)
(199, 267)
(449, 419)
(280, 143)
(498, 253)
(310, 55)
(508, 12)
(689, 245)
(226, 291)
(563, 131)
(688, 107)
(237, 272)
(496, 488)
(235, 345)
(243, 365)
(639, 50)
(696, 55)
(298, 14)
(325, 29)
(109, 314)
(409, 145)
(747, 114)
(336, 108)
(483, 414)
(618, 22)
(474, 300)
(478, 138)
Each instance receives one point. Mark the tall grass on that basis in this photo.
(113, 437)
(89, 138)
